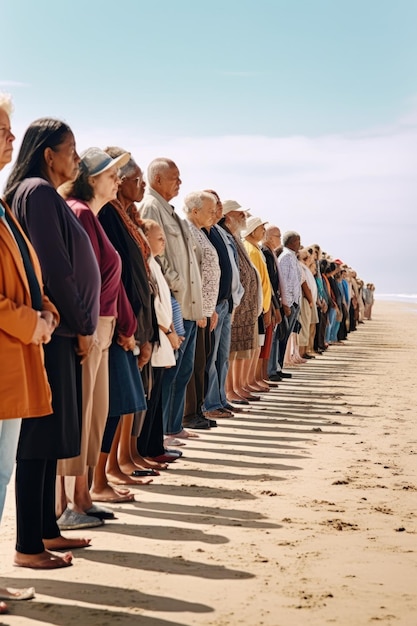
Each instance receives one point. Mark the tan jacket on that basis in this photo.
(179, 263)
(24, 387)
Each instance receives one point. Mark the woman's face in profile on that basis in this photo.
(6, 139)
(65, 160)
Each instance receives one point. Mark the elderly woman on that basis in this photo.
(200, 210)
(308, 313)
(47, 159)
(96, 184)
(27, 320)
(116, 465)
(246, 313)
(253, 235)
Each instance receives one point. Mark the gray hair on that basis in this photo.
(288, 236)
(129, 167)
(195, 200)
(6, 103)
(157, 166)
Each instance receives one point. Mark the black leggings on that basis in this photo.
(35, 504)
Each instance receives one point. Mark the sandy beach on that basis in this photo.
(300, 510)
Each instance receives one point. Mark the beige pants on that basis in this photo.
(95, 402)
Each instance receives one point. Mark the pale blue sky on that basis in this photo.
(304, 110)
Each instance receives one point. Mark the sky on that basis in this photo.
(304, 111)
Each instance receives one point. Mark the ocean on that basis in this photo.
(397, 297)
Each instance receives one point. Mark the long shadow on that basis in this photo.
(286, 430)
(182, 534)
(167, 533)
(168, 565)
(103, 594)
(198, 491)
(245, 436)
(263, 443)
(68, 615)
(195, 509)
(200, 473)
(241, 463)
(247, 453)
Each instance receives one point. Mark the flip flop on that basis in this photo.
(145, 472)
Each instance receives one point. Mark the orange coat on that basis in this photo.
(24, 387)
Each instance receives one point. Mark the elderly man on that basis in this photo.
(270, 244)
(290, 281)
(181, 271)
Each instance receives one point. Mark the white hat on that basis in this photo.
(231, 205)
(95, 161)
(252, 224)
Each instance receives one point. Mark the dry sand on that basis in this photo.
(299, 511)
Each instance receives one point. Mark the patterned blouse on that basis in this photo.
(209, 268)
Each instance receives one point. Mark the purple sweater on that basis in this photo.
(69, 268)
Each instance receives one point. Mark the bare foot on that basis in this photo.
(108, 494)
(140, 461)
(120, 478)
(232, 397)
(43, 560)
(133, 471)
(10, 593)
(63, 543)
(3, 608)
(185, 434)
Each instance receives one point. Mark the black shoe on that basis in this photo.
(275, 378)
(211, 423)
(197, 422)
(285, 374)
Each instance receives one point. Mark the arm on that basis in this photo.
(46, 227)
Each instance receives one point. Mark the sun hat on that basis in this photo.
(95, 161)
(252, 224)
(232, 205)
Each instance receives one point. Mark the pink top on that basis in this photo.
(113, 299)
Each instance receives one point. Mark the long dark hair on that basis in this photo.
(79, 188)
(41, 134)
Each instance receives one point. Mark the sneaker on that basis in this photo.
(70, 520)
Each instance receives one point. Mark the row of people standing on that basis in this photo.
(145, 350)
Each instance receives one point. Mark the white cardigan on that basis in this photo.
(163, 354)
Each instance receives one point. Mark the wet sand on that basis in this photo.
(301, 510)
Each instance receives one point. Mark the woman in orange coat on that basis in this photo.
(27, 320)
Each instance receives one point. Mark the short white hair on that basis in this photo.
(161, 164)
(6, 103)
(195, 200)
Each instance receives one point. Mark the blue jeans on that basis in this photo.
(9, 436)
(176, 380)
(331, 321)
(218, 361)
